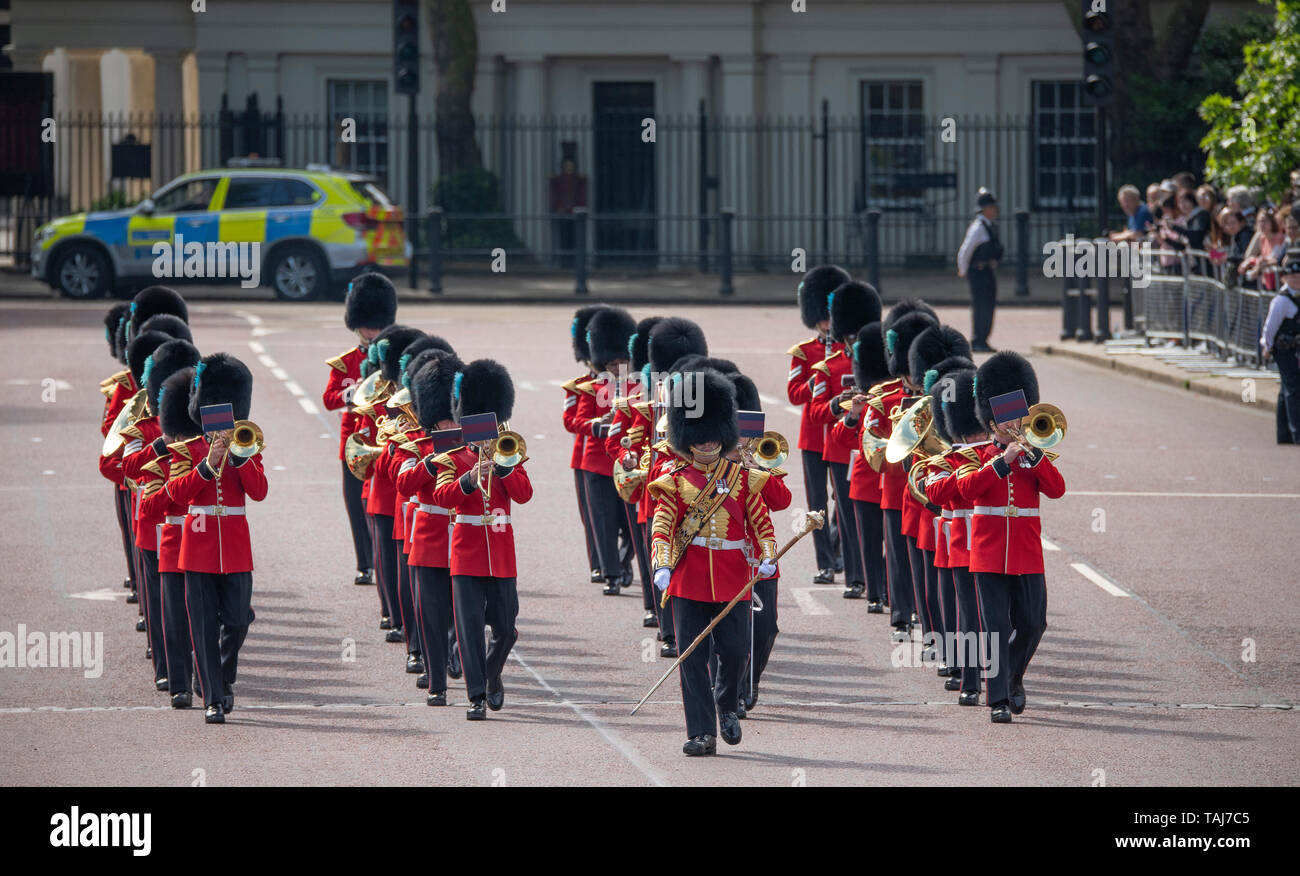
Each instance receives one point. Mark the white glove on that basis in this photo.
(766, 569)
(662, 577)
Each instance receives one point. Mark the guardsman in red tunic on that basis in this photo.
(216, 552)
(177, 428)
(905, 321)
(370, 307)
(935, 352)
(115, 329)
(1006, 549)
(955, 397)
(852, 306)
(628, 444)
(869, 371)
(814, 290)
(670, 340)
(574, 417)
(711, 528)
(430, 558)
(483, 573)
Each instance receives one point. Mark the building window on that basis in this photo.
(365, 102)
(893, 141)
(1065, 144)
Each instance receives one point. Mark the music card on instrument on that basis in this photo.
(479, 427)
(751, 423)
(1010, 407)
(217, 418)
(446, 439)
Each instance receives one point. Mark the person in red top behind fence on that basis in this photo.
(1006, 549)
(216, 552)
(483, 573)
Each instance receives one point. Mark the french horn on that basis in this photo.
(131, 411)
(914, 431)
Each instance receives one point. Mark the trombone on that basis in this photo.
(507, 450)
(768, 451)
(1044, 427)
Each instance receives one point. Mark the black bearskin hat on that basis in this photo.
(174, 406)
(371, 302)
(639, 346)
(152, 301)
(903, 308)
(483, 387)
(431, 386)
(746, 393)
(932, 346)
(706, 412)
(163, 363)
(168, 325)
(673, 338)
(1002, 373)
(695, 362)
(958, 403)
(608, 334)
(417, 347)
(119, 338)
(391, 352)
(578, 329)
(116, 314)
(852, 306)
(869, 363)
(221, 379)
(899, 338)
(815, 287)
(140, 349)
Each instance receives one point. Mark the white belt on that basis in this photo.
(483, 519)
(719, 544)
(218, 510)
(174, 521)
(412, 500)
(1005, 511)
(946, 513)
(961, 512)
(432, 509)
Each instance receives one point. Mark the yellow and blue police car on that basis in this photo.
(301, 232)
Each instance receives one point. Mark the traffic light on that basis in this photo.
(406, 46)
(1098, 54)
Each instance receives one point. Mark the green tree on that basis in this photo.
(1254, 136)
(455, 54)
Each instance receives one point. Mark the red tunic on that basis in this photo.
(572, 421)
(823, 411)
(941, 489)
(632, 426)
(138, 451)
(123, 390)
(798, 387)
(893, 480)
(595, 400)
(864, 481)
(382, 495)
(214, 541)
(157, 504)
(345, 374)
(1002, 537)
(430, 538)
(483, 540)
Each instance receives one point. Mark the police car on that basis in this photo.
(302, 232)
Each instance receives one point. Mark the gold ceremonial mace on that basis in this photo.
(812, 520)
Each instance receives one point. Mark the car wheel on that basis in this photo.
(83, 272)
(298, 273)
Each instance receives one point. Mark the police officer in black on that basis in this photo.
(976, 261)
(1280, 339)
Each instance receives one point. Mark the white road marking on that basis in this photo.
(526, 385)
(1187, 495)
(36, 439)
(803, 597)
(279, 374)
(630, 754)
(256, 347)
(267, 361)
(767, 399)
(1049, 545)
(19, 381)
(1095, 577)
(791, 409)
(294, 388)
(104, 594)
(310, 408)
(557, 382)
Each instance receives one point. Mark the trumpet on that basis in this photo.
(1044, 427)
(768, 451)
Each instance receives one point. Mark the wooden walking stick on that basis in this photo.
(812, 520)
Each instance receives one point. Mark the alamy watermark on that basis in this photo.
(57, 650)
(1082, 259)
(198, 260)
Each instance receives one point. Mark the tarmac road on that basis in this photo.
(1179, 667)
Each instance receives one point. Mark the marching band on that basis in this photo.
(935, 476)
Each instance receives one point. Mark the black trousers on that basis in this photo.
(899, 569)
(763, 631)
(580, 488)
(846, 523)
(983, 301)
(176, 633)
(871, 546)
(433, 608)
(947, 615)
(385, 553)
(916, 566)
(406, 594)
(970, 628)
(730, 644)
(479, 602)
(357, 519)
(641, 545)
(608, 522)
(1011, 602)
(1288, 397)
(220, 608)
(815, 472)
(151, 599)
(122, 506)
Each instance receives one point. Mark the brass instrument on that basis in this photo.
(131, 411)
(914, 431)
(873, 450)
(626, 481)
(370, 392)
(770, 450)
(360, 456)
(918, 490)
(246, 439)
(509, 449)
(1044, 427)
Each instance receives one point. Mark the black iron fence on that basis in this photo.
(654, 193)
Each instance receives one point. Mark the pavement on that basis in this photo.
(1171, 656)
